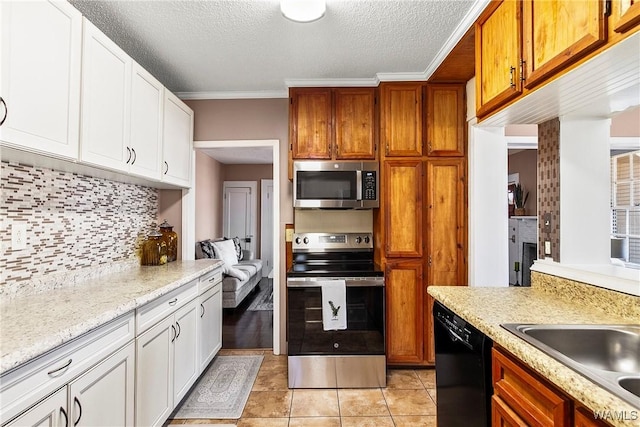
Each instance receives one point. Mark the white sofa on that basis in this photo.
(234, 290)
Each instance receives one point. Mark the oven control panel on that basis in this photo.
(332, 241)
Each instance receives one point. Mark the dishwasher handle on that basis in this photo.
(454, 335)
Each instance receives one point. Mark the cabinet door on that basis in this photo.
(105, 394)
(429, 339)
(446, 120)
(625, 15)
(41, 45)
(310, 123)
(186, 366)
(154, 373)
(210, 325)
(503, 416)
(498, 54)
(556, 33)
(402, 204)
(446, 222)
(355, 124)
(147, 96)
(401, 119)
(583, 417)
(106, 89)
(177, 141)
(51, 412)
(405, 311)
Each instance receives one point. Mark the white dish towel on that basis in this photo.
(334, 305)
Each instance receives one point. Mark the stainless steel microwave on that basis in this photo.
(335, 185)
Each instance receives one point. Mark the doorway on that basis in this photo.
(269, 152)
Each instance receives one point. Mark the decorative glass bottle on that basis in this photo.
(170, 238)
(154, 250)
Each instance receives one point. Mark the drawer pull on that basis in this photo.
(174, 333)
(202, 310)
(213, 278)
(178, 325)
(75, 399)
(57, 370)
(66, 419)
(173, 301)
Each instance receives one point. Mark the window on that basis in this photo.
(625, 208)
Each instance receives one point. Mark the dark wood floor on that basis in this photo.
(243, 329)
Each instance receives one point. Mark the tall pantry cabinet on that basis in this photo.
(420, 228)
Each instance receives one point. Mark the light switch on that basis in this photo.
(288, 235)
(547, 248)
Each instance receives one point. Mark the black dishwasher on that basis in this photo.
(463, 371)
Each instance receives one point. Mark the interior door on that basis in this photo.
(239, 212)
(266, 226)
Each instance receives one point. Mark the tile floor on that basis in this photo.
(408, 400)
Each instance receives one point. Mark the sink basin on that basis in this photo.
(608, 355)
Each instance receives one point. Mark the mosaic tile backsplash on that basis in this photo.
(73, 222)
(549, 186)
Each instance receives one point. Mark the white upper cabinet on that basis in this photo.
(177, 141)
(40, 63)
(145, 149)
(106, 89)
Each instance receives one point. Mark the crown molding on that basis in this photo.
(259, 94)
(467, 22)
(372, 82)
(401, 77)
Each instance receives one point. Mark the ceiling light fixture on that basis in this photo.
(303, 10)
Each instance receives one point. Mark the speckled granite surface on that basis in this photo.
(35, 323)
(487, 308)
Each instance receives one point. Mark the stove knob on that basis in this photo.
(367, 239)
(358, 240)
(306, 240)
(298, 240)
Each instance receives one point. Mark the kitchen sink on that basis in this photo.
(608, 355)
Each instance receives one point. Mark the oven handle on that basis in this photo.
(313, 283)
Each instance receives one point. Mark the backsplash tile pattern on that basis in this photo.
(73, 222)
(549, 185)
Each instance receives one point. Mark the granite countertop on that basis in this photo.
(33, 324)
(486, 308)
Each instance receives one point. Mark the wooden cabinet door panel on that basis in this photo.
(503, 416)
(498, 54)
(446, 222)
(401, 119)
(310, 118)
(557, 33)
(186, 367)
(582, 417)
(429, 340)
(445, 120)
(625, 15)
(405, 311)
(403, 208)
(355, 123)
(527, 394)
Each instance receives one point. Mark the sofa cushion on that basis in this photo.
(207, 249)
(255, 263)
(226, 251)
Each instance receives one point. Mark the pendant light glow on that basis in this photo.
(303, 10)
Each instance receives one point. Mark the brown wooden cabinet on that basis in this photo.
(402, 202)
(582, 417)
(332, 123)
(446, 122)
(405, 322)
(498, 54)
(446, 222)
(522, 397)
(401, 119)
(523, 43)
(625, 15)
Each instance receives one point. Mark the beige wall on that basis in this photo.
(627, 123)
(525, 163)
(170, 208)
(249, 119)
(209, 177)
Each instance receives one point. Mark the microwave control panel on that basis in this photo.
(369, 189)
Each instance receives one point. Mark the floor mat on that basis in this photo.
(223, 389)
(264, 299)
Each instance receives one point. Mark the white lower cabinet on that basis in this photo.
(51, 412)
(101, 396)
(210, 325)
(166, 365)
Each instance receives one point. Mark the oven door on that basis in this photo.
(365, 334)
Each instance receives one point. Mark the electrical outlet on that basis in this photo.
(288, 235)
(18, 236)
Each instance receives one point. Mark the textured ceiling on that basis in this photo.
(244, 48)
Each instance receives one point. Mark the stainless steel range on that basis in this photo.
(320, 354)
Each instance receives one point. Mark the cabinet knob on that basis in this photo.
(6, 111)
